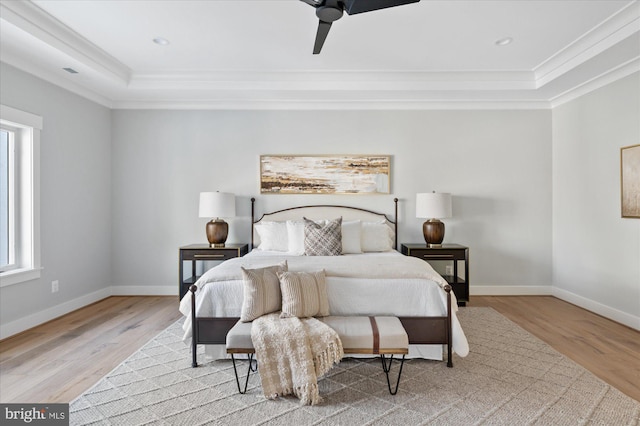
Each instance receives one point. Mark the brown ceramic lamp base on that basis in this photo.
(217, 231)
(433, 231)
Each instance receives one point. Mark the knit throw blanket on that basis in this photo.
(292, 354)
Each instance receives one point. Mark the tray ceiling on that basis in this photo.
(258, 53)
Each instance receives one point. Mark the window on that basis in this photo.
(19, 196)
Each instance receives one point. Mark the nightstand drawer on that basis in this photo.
(440, 254)
(219, 254)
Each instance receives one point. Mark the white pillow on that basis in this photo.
(295, 234)
(351, 236)
(376, 237)
(273, 236)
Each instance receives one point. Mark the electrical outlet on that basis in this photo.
(55, 286)
(449, 270)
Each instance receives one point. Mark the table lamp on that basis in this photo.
(217, 205)
(433, 206)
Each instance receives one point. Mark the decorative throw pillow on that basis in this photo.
(304, 294)
(376, 237)
(273, 236)
(261, 291)
(351, 236)
(323, 240)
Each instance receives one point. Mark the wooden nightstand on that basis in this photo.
(448, 252)
(201, 253)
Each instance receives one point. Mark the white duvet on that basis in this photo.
(359, 284)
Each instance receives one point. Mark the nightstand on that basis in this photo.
(201, 253)
(447, 252)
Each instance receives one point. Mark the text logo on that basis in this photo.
(36, 414)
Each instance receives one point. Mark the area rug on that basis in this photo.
(509, 378)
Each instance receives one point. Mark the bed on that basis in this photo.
(369, 278)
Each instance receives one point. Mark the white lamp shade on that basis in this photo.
(217, 204)
(433, 205)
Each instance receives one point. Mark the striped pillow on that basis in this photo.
(323, 240)
(304, 294)
(261, 291)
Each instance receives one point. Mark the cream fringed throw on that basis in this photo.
(292, 353)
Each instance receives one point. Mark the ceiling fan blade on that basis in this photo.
(312, 2)
(359, 6)
(321, 36)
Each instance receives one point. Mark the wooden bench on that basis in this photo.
(379, 335)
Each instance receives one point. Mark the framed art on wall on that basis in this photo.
(630, 181)
(325, 174)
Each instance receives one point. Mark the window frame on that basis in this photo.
(27, 128)
(12, 262)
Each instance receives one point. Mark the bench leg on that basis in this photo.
(387, 368)
(249, 370)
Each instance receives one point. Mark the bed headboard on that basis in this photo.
(326, 212)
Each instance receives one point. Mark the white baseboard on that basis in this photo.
(144, 290)
(30, 321)
(629, 320)
(510, 290)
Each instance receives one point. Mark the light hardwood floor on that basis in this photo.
(57, 361)
(608, 349)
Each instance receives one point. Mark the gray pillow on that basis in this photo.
(323, 240)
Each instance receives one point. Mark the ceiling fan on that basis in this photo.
(332, 10)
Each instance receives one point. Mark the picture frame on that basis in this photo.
(630, 181)
(325, 174)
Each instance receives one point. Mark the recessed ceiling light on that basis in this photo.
(70, 70)
(161, 41)
(504, 41)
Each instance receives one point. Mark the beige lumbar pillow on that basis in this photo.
(304, 294)
(261, 291)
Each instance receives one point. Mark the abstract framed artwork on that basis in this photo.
(630, 181)
(325, 174)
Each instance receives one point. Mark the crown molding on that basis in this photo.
(35, 21)
(339, 105)
(57, 80)
(622, 71)
(354, 80)
(616, 28)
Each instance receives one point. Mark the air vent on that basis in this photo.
(70, 70)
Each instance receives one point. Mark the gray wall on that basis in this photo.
(596, 253)
(120, 189)
(75, 209)
(497, 164)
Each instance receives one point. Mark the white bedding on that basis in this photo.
(359, 284)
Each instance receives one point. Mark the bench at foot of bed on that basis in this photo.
(380, 335)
